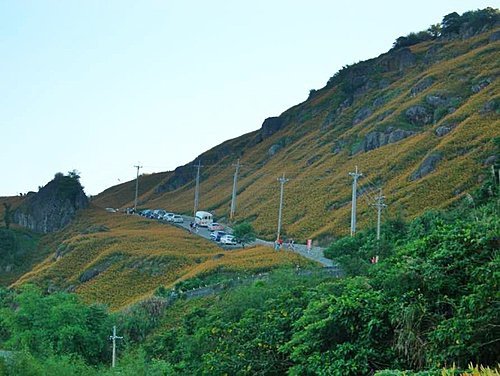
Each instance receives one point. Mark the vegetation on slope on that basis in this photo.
(417, 121)
(430, 302)
(101, 253)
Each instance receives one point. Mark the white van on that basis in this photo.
(203, 218)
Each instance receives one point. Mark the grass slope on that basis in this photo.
(123, 195)
(318, 158)
(117, 259)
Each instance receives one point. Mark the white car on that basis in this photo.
(228, 240)
(168, 217)
(177, 219)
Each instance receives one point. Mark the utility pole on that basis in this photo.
(355, 176)
(282, 181)
(114, 337)
(136, 187)
(197, 188)
(233, 198)
(379, 204)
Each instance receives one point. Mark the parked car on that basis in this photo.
(168, 217)
(177, 219)
(228, 240)
(215, 226)
(216, 235)
(159, 213)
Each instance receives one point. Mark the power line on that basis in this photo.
(379, 204)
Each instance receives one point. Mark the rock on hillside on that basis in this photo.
(54, 206)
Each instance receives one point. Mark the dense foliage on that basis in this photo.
(431, 301)
(453, 24)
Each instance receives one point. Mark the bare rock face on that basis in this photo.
(376, 139)
(421, 86)
(443, 130)
(54, 206)
(494, 37)
(274, 149)
(418, 115)
(481, 85)
(270, 126)
(398, 60)
(361, 115)
(428, 165)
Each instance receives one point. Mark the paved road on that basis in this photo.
(315, 253)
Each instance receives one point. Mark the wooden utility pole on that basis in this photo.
(282, 182)
(233, 198)
(197, 188)
(136, 187)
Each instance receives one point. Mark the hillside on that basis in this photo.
(417, 121)
(117, 259)
(121, 194)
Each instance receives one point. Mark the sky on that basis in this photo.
(101, 86)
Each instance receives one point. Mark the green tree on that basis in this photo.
(244, 232)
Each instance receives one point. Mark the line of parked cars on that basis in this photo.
(162, 215)
(217, 234)
(223, 237)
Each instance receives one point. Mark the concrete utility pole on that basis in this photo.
(355, 176)
(233, 198)
(282, 181)
(197, 188)
(379, 204)
(136, 187)
(114, 337)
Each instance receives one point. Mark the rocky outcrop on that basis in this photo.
(395, 60)
(376, 139)
(422, 85)
(181, 176)
(274, 149)
(494, 37)
(361, 115)
(54, 206)
(334, 114)
(270, 126)
(491, 106)
(427, 166)
(481, 85)
(418, 115)
(443, 130)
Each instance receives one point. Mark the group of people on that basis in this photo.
(278, 244)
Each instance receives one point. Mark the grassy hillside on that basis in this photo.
(417, 121)
(123, 195)
(118, 259)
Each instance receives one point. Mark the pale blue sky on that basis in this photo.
(99, 86)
